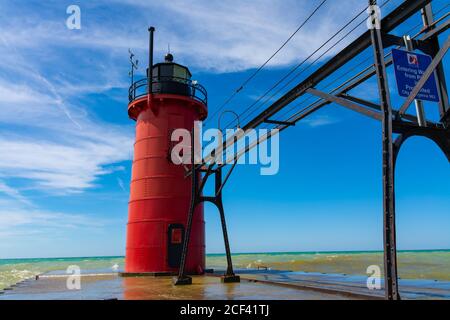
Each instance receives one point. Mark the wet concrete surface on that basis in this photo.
(255, 285)
(353, 285)
(101, 287)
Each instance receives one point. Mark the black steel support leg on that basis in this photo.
(229, 275)
(182, 278)
(389, 237)
(196, 199)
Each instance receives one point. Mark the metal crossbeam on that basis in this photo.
(345, 103)
(377, 107)
(283, 123)
(438, 30)
(369, 104)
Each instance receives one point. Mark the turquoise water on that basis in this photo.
(15, 270)
(426, 264)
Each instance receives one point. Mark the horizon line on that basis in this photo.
(239, 253)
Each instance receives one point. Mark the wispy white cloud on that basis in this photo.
(57, 144)
(13, 193)
(21, 220)
(58, 147)
(208, 35)
(62, 167)
(237, 35)
(321, 120)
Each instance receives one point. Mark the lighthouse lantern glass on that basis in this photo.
(180, 72)
(168, 78)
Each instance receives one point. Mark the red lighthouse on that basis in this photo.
(160, 193)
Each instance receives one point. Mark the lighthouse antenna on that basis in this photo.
(134, 65)
(150, 59)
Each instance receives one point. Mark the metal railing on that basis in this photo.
(168, 85)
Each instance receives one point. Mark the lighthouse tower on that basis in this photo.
(160, 192)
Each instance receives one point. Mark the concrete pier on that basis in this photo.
(255, 285)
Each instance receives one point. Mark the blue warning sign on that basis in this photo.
(409, 68)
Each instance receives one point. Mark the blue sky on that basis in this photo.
(66, 141)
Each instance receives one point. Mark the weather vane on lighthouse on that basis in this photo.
(134, 65)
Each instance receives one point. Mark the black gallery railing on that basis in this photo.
(168, 85)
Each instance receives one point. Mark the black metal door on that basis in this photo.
(175, 244)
